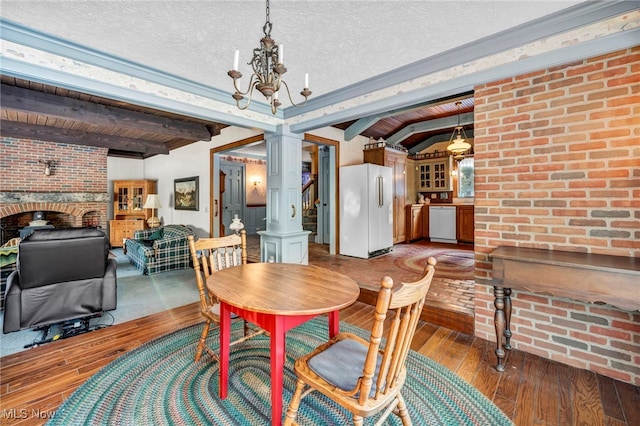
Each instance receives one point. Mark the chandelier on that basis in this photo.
(458, 145)
(268, 68)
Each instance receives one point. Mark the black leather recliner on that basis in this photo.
(61, 274)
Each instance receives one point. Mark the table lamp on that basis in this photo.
(236, 224)
(153, 202)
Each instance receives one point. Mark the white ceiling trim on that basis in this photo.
(43, 67)
(96, 73)
(605, 36)
(530, 33)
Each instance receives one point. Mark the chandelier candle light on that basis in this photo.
(268, 68)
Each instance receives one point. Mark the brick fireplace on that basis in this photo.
(73, 194)
(61, 214)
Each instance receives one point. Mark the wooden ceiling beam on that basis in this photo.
(31, 101)
(432, 140)
(75, 137)
(364, 123)
(429, 126)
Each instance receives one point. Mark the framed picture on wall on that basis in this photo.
(185, 193)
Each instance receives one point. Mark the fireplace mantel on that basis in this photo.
(81, 209)
(16, 197)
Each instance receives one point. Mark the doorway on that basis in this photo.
(232, 194)
(229, 183)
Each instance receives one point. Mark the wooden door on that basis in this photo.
(324, 215)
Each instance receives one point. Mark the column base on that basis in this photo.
(285, 248)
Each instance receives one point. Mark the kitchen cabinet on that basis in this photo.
(425, 221)
(414, 222)
(417, 221)
(129, 215)
(465, 224)
(397, 160)
(434, 174)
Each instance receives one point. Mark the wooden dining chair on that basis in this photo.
(210, 255)
(366, 377)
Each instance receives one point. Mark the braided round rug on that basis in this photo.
(160, 384)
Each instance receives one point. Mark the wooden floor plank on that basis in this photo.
(507, 391)
(565, 394)
(525, 407)
(587, 405)
(40, 379)
(470, 365)
(423, 333)
(452, 356)
(437, 342)
(609, 397)
(629, 397)
(546, 401)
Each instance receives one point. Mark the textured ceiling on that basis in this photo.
(337, 42)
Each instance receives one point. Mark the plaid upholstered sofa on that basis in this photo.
(160, 249)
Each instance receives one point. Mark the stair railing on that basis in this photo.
(308, 195)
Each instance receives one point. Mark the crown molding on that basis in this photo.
(565, 20)
(29, 37)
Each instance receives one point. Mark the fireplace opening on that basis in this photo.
(18, 225)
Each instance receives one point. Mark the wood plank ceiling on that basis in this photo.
(417, 127)
(38, 111)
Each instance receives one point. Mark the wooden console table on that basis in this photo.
(587, 277)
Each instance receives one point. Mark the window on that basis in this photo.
(465, 178)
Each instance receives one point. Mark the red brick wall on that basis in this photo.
(557, 166)
(76, 170)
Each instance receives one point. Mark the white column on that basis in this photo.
(284, 238)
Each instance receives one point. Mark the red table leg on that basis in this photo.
(277, 326)
(225, 336)
(334, 323)
(277, 369)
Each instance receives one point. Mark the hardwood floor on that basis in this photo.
(533, 390)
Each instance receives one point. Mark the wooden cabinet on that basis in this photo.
(119, 230)
(434, 174)
(425, 221)
(465, 224)
(397, 160)
(129, 197)
(414, 222)
(129, 215)
(417, 221)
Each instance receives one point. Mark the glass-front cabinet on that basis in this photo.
(129, 214)
(130, 197)
(122, 200)
(434, 174)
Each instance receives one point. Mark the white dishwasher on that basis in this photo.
(442, 224)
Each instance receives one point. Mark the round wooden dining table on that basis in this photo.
(277, 297)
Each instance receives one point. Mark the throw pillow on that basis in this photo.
(156, 235)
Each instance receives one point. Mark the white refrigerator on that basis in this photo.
(366, 210)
